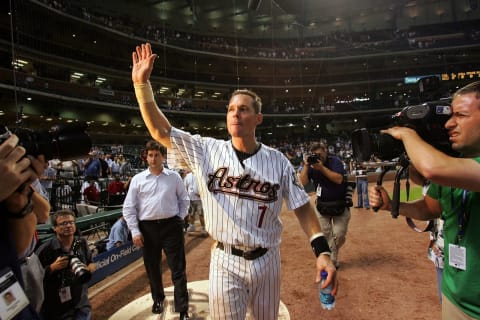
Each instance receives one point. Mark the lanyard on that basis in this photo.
(462, 217)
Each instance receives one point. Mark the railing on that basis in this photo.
(86, 224)
(107, 262)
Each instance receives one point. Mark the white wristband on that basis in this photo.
(144, 92)
(318, 234)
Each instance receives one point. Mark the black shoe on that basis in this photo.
(184, 316)
(157, 306)
(357, 207)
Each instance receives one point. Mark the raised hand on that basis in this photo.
(143, 60)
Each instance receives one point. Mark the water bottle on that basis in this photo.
(326, 298)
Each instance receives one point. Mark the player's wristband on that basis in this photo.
(144, 92)
(319, 244)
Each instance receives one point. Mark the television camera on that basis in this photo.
(64, 142)
(427, 119)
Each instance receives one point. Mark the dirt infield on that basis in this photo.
(384, 273)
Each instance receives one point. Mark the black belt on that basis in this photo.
(247, 255)
(161, 220)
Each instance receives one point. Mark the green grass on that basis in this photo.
(415, 193)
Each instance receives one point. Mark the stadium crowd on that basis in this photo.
(335, 43)
(67, 182)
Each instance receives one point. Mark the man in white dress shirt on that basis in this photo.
(154, 208)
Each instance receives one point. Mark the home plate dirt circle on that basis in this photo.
(141, 308)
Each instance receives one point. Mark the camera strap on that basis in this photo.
(404, 163)
(462, 216)
(429, 225)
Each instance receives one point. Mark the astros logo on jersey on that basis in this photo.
(243, 186)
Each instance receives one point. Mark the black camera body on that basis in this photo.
(427, 119)
(349, 193)
(64, 142)
(313, 158)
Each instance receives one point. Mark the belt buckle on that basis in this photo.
(243, 248)
(249, 255)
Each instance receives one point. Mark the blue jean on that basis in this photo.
(439, 282)
(83, 314)
(362, 193)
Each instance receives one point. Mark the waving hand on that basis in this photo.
(143, 60)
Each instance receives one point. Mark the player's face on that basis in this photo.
(464, 125)
(154, 159)
(241, 117)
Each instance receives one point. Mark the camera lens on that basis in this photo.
(386, 147)
(366, 144)
(80, 270)
(361, 144)
(312, 159)
(61, 142)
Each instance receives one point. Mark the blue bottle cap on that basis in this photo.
(324, 274)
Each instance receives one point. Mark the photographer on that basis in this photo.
(454, 195)
(68, 267)
(21, 208)
(327, 174)
(361, 178)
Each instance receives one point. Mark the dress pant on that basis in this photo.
(166, 235)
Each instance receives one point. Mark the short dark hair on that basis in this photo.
(62, 213)
(257, 102)
(473, 87)
(316, 146)
(154, 145)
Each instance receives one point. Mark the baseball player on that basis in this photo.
(242, 184)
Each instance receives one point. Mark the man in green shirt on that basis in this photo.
(454, 196)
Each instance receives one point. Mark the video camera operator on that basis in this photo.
(68, 267)
(454, 195)
(327, 174)
(20, 210)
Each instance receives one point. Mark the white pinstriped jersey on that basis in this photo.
(241, 203)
